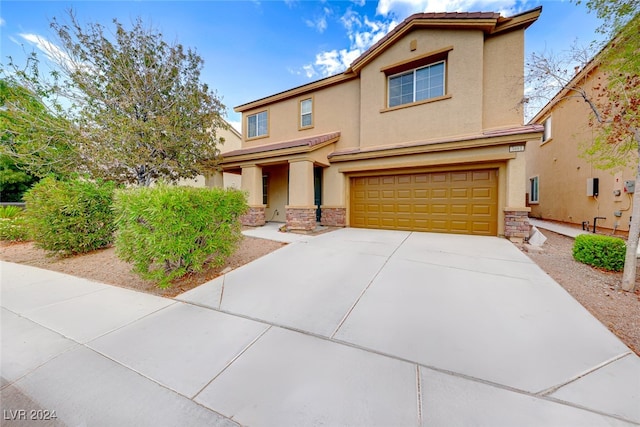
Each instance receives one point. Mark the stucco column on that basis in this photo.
(252, 184)
(214, 180)
(301, 183)
(516, 213)
(301, 210)
(516, 182)
(334, 210)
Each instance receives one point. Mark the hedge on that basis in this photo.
(70, 217)
(600, 251)
(168, 231)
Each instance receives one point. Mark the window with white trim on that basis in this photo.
(547, 129)
(257, 125)
(534, 190)
(306, 113)
(417, 84)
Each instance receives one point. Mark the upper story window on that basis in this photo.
(547, 129)
(306, 113)
(417, 84)
(257, 125)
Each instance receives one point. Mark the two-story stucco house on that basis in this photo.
(424, 131)
(562, 184)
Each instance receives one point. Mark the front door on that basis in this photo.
(317, 190)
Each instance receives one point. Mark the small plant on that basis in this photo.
(167, 231)
(600, 251)
(70, 217)
(9, 212)
(13, 226)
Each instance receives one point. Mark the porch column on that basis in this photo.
(334, 211)
(301, 212)
(252, 184)
(516, 213)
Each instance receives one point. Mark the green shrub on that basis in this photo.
(70, 217)
(168, 231)
(600, 251)
(9, 212)
(13, 226)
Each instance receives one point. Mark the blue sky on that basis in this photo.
(256, 48)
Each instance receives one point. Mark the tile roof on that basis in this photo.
(304, 142)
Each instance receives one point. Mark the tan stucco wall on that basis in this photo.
(335, 108)
(277, 196)
(563, 173)
(503, 79)
(459, 115)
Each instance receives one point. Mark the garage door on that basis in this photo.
(463, 202)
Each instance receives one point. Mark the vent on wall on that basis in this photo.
(593, 185)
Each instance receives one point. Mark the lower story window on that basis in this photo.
(533, 190)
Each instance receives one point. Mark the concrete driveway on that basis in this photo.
(353, 327)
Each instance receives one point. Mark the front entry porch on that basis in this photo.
(288, 192)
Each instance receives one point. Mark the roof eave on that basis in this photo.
(516, 22)
(485, 24)
(560, 95)
(296, 91)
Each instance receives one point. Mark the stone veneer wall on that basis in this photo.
(516, 225)
(254, 217)
(303, 219)
(334, 217)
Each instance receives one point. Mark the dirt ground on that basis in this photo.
(104, 266)
(595, 289)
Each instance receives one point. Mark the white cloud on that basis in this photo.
(308, 70)
(236, 124)
(362, 33)
(2, 22)
(404, 8)
(320, 24)
(51, 50)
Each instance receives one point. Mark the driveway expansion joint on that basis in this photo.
(599, 366)
(236, 357)
(353, 306)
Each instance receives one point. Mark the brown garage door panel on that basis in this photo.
(451, 202)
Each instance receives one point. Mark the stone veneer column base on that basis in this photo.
(254, 217)
(516, 225)
(333, 217)
(301, 219)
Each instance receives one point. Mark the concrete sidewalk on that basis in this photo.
(354, 327)
(557, 227)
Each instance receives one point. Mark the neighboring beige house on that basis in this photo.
(563, 186)
(424, 131)
(232, 141)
